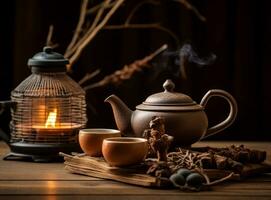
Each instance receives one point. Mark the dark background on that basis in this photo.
(237, 31)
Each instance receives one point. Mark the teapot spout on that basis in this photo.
(122, 113)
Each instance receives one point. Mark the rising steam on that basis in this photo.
(187, 55)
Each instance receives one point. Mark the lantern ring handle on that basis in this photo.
(6, 104)
(3, 106)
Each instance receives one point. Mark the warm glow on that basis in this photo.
(51, 120)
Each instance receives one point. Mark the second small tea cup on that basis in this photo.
(124, 151)
(91, 139)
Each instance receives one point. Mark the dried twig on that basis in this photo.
(89, 76)
(82, 38)
(99, 15)
(189, 6)
(85, 42)
(137, 7)
(98, 6)
(221, 180)
(89, 30)
(80, 23)
(127, 71)
(49, 37)
(201, 171)
(145, 26)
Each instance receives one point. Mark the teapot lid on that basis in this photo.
(169, 100)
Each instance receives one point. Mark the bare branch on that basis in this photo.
(189, 6)
(145, 26)
(98, 6)
(99, 15)
(82, 38)
(222, 179)
(137, 7)
(80, 23)
(79, 50)
(127, 71)
(49, 38)
(89, 76)
(89, 30)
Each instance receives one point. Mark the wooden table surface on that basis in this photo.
(26, 180)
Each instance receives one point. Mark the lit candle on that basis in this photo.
(51, 127)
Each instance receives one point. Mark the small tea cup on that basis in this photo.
(91, 139)
(124, 151)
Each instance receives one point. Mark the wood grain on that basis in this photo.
(25, 180)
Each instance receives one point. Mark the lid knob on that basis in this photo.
(47, 49)
(168, 85)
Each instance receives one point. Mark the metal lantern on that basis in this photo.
(48, 109)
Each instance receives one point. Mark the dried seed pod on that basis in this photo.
(184, 172)
(177, 180)
(195, 180)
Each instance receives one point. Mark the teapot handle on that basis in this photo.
(231, 117)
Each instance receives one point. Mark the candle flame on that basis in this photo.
(51, 120)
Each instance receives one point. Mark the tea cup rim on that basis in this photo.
(99, 131)
(125, 140)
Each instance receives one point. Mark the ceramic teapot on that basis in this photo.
(185, 120)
